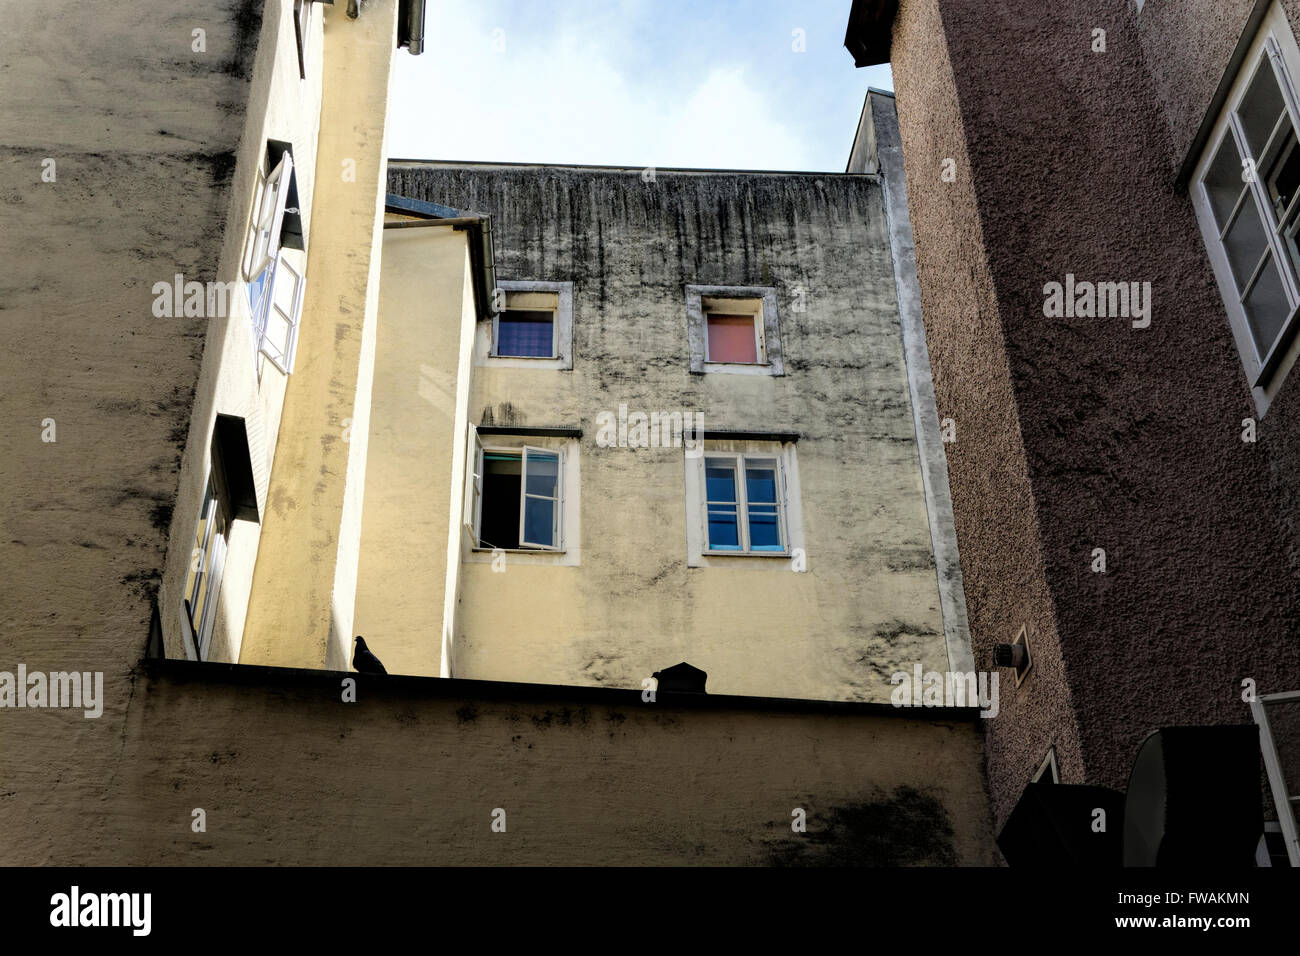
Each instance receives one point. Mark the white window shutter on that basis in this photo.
(250, 240)
(277, 325)
(270, 216)
(473, 482)
(529, 452)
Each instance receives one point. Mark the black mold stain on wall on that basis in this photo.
(906, 828)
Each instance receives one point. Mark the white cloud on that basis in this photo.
(565, 97)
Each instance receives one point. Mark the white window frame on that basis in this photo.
(767, 329)
(789, 507)
(557, 512)
(1274, 47)
(212, 559)
(281, 354)
(488, 333)
(302, 10)
(565, 551)
(264, 255)
(1047, 769)
(1283, 801)
(740, 463)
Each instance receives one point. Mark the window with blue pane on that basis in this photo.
(521, 503)
(526, 333)
(743, 516)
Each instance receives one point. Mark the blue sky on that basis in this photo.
(709, 83)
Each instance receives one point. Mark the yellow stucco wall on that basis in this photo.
(417, 411)
(301, 606)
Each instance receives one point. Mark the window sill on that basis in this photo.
(739, 368)
(519, 550)
(746, 554)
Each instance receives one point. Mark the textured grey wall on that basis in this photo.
(144, 134)
(869, 604)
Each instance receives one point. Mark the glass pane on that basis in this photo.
(720, 481)
(1245, 243)
(1266, 308)
(525, 334)
(724, 532)
(760, 484)
(764, 529)
(1260, 108)
(539, 521)
(731, 339)
(256, 289)
(1223, 182)
(1284, 176)
(543, 474)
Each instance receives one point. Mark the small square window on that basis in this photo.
(733, 329)
(734, 338)
(526, 333)
(533, 329)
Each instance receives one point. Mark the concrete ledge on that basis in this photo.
(398, 685)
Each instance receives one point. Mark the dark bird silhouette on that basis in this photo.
(364, 661)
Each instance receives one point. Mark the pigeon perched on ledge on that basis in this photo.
(365, 662)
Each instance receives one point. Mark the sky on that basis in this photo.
(718, 84)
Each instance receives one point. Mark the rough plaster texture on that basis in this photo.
(868, 604)
(878, 146)
(411, 773)
(1075, 434)
(147, 140)
(414, 423)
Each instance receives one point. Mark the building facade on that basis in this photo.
(1101, 197)
(723, 390)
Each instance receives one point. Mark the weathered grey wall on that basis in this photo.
(410, 773)
(144, 134)
(869, 603)
(1076, 434)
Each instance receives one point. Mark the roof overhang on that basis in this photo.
(479, 227)
(871, 27)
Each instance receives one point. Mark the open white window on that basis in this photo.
(203, 580)
(278, 332)
(539, 515)
(274, 271)
(1245, 190)
(515, 494)
(473, 484)
(264, 230)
